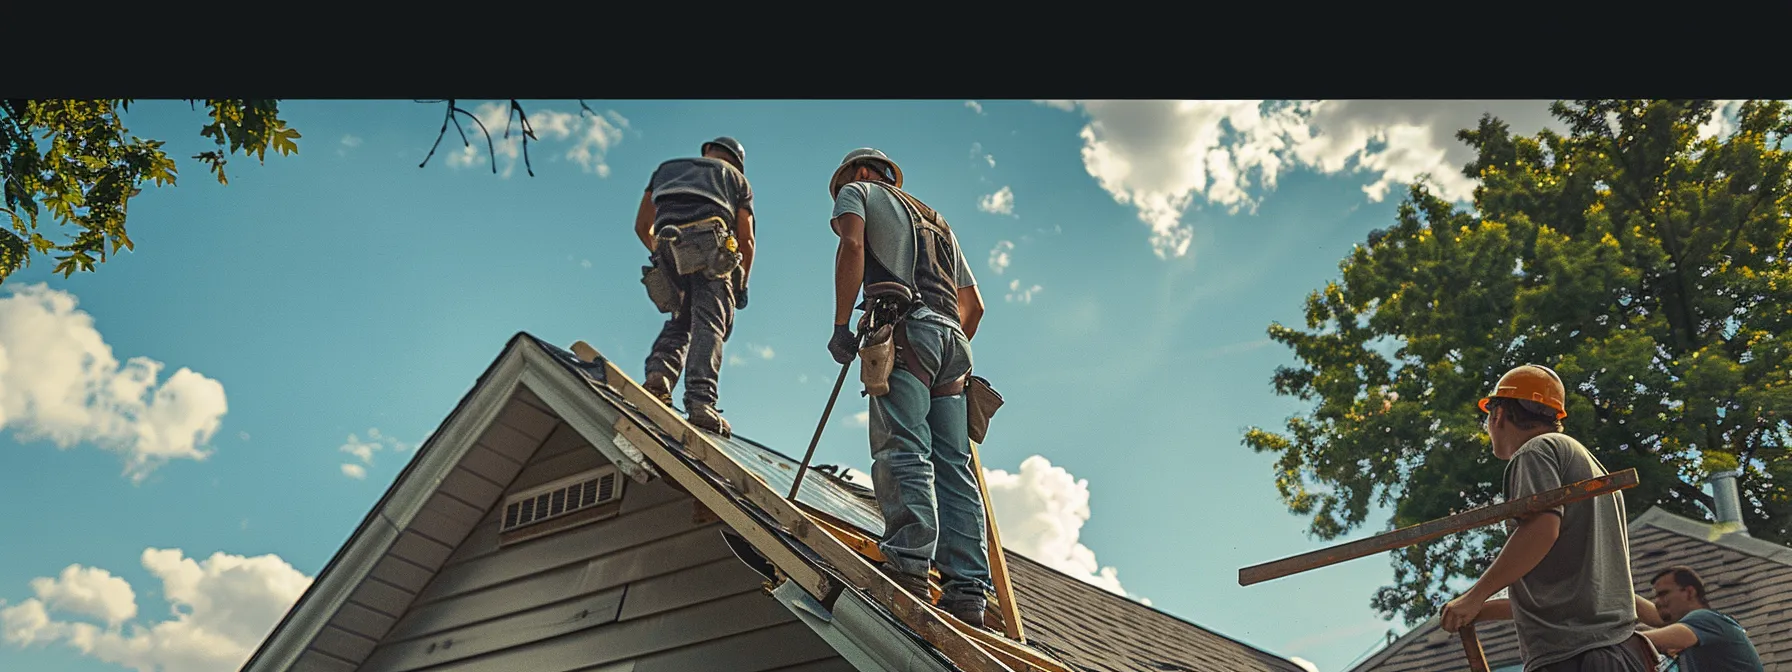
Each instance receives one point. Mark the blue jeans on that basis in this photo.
(921, 467)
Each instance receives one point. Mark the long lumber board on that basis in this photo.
(998, 560)
(919, 616)
(1426, 531)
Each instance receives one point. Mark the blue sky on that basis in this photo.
(328, 310)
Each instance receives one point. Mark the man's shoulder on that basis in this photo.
(1555, 444)
(1709, 618)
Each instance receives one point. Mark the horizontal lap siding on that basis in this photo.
(649, 590)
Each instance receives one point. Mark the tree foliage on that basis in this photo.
(75, 160)
(1647, 266)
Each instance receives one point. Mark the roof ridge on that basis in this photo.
(1668, 521)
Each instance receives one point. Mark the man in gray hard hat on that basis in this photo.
(905, 257)
(696, 220)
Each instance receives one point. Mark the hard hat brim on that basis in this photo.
(837, 181)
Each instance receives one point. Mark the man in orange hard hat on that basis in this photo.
(1567, 568)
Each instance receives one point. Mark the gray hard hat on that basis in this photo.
(733, 147)
(854, 157)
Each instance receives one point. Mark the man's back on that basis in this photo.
(694, 189)
(890, 235)
(1578, 597)
(1723, 645)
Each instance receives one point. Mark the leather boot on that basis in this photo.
(969, 611)
(660, 387)
(706, 416)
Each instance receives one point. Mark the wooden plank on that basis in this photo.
(367, 622)
(382, 597)
(543, 623)
(563, 440)
(342, 643)
(641, 637)
(1422, 532)
(763, 540)
(507, 441)
(402, 573)
(470, 488)
(528, 419)
(439, 527)
(573, 546)
(776, 647)
(454, 508)
(545, 469)
(720, 578)
(998, 560)
(658, 558)
(1471, 647)
(420, 549)
(316, 661)
(916, 615)
(494, 466)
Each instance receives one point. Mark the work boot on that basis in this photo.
(970, 611)
(917, 586)
(660, 387)
(707, 417)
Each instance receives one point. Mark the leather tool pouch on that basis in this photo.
(981, 402)
(700, 247)
(660, 290)
(876, 360)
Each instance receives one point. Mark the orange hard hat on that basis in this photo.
(1532, 382)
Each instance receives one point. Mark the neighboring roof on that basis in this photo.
(1748, 579)
(1087, 627)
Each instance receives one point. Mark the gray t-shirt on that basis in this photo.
(695, 189)
(1579, 596)
(1723, 645)
(890, 232)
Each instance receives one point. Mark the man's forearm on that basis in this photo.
(746, 262)
(1524, 549)
(849, 273)
(1495, 610)
(1647, 613)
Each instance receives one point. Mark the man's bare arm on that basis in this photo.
(970, 310)
(743, 237)
(849, 264)
(644, 219)
(1672, 639)
(1535, 535)
(1496, 610)
(1648, 614)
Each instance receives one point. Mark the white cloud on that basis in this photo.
(978, 153)
(60, 381)
(1723, 119)
(88, 591)
(761, 351)
(862, 418)
(1065, 105)
(1304, 663)
(802, 378)
(585, 263)
(999, 258)
(354, 471)
(365, 450)
(350, 141)
(219, 611)
(999, 203)
(765, 351)
(1016, 294)
(1041, 511)
(243, 435)
(974, 105)
(590, 137)
(1158, 156)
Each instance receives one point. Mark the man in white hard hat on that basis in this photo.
(921, 462)
(696, 219)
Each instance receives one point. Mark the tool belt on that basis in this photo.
(705, 246)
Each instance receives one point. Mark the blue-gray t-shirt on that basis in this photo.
(1723, 645)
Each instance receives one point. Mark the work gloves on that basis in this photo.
(844, 345)
(740, 298)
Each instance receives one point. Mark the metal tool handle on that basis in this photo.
(798, 481)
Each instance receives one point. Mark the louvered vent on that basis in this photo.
(559, 498)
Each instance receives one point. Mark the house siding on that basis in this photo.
(653, 589)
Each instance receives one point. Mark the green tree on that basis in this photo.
(75, 160)
(1648, 267)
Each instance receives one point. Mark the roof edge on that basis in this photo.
(1669, 521)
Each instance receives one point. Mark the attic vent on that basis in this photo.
(560, 498)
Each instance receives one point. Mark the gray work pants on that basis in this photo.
(702, 323)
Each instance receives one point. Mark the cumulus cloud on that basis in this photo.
(862, 418)
(978, 153)
(999, 257)
(365, 451)
(1159, 156)
(584, 263)
(588, 138)
(974, 105)
(999, 203)
(753, 350)
(219, 611)
(59, 381)
(348, 142)
(1723, 119)
(1017, 295)
(1041, 511)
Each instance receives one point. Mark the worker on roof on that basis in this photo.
(1567, 569)
(920, 447)
(696, 220)
(1684, 625)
